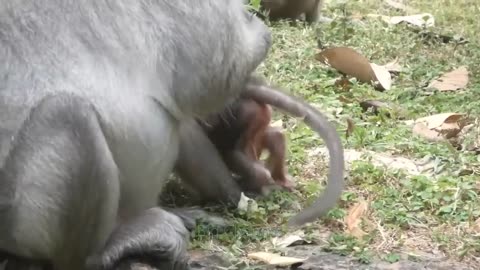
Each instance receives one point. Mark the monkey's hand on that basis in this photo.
(156, 238)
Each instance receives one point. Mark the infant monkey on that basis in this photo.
(202, 165)
(240, 133)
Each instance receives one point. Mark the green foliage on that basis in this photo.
(254, 5)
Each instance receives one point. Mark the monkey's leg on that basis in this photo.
(200, 165)
(274, 141)
(254, 176)
(155, 237)
(59, 187)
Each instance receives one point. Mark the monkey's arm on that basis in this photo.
(200, 165)
(254, 176)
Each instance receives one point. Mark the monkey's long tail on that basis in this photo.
(320, 124)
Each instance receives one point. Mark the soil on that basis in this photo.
(320, 260)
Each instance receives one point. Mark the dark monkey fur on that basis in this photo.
(92, 93)
(292, 9)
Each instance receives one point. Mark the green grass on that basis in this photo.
(407, 214)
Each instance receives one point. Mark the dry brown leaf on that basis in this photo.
(451, 81)
(291, 240)
(442, 120)
(476, 226)
(393, 67)
(353, 219)
(382, 75)
(347, 61)
(350, 127)
(422, 130)
(439, 126)
(274, 259)
(421, 20)
(294, 239)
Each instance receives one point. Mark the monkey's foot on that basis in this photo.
(262, 175)
(286, 182)
(156, 238)
(190, 216)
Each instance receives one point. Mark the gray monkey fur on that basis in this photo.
(92, 94)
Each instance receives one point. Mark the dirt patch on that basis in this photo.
(320, 260)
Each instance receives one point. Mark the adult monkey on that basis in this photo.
(292, 9)
(92, 93)
(203, 168)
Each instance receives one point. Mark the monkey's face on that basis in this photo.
(232, 43)
(261, 37)
(252, 43)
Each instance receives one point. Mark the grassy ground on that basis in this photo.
(430, 214)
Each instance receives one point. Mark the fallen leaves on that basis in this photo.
(349, 62)
(354, 218)
(294, 239)
(439, 126)
(385, 160)
(451, 81)
(382, 75)
(246, 204)
(350, 127)
(274, 259)
(419, 20)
